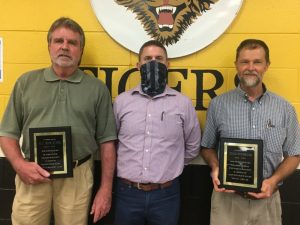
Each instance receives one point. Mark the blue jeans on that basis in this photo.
(138, 207)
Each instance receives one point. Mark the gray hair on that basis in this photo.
(68, 23)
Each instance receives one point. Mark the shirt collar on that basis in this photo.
(243, 94)
(167, 91)
(50, 76)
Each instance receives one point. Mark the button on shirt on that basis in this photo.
(157, 136)
(270, 118)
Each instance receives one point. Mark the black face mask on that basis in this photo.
(153, 78)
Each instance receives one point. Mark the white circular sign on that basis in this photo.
(183, 26)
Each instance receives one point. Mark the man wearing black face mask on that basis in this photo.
(158, 133)
(153, 78)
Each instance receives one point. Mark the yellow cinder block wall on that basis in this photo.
(24, 25)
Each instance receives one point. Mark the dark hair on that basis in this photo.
(151, 43)
(253, 44)
(68, 23)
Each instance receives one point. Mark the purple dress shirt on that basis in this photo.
(157, 136)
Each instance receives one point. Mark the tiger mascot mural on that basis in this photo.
(166, 20)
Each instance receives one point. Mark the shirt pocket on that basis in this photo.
(171, 126)
(274, 139)
(273, 154)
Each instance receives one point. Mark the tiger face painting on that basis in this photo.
(166, 20)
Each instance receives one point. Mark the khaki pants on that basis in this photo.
(233, 209)
(68, 197)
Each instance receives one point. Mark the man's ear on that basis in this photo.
(168, 65)
(138, 65)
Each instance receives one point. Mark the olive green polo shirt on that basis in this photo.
(41, 99)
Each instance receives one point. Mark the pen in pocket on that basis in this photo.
(162, 116)
(269, 124)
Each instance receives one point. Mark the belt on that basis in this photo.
(147, 186)
(80, 161)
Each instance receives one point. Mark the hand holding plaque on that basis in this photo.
(241, 164)
(51, 148)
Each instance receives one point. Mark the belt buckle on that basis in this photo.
(138, 186)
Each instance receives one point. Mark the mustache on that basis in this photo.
(250, 72)
(64, 55)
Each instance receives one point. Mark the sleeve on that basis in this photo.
(106, 126)
(291, 145)
(192, 133)
(12, 121)
(210, 133)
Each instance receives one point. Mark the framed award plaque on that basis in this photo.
(51, 148)
(241, 162)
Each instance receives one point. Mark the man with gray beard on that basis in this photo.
(55, 97)
(252, 112)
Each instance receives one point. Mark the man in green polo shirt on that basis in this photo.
(59, 96)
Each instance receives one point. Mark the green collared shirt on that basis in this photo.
(41, 99)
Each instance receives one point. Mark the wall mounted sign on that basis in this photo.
(183, 26)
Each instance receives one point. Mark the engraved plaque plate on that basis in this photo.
(51, 148)
(241, 164)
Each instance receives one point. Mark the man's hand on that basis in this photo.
(270, 185)
(101, 204)
(102, 201)
(267, 190)
(31, 173)
(216, 182)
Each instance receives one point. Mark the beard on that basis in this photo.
(63, 62)
(249, 79)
